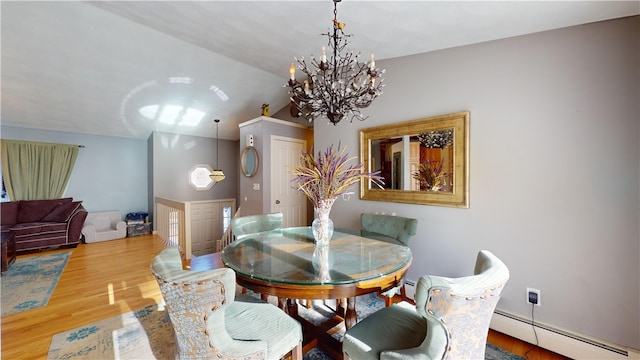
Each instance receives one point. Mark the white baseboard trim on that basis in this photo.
(558, 340)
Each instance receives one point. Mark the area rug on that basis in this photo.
(147, 334)
(30, 281)
(143, 334)
(491, 353)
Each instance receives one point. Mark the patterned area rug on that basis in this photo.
(147, 334)
(143, 334)
(29, 282)
(492, 353)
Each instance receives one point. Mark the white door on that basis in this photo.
(285, 152)
(205, 227)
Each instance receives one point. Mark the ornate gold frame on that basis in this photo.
(459, 194)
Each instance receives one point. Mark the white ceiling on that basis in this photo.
(88, 67)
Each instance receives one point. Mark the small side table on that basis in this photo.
(8, 250)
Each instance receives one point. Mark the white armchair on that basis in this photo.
(103, 226)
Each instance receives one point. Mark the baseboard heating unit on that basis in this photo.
(551, 338)
(410, 289)
(557, 340)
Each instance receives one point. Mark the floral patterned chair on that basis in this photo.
(210, 323)
(449, 321)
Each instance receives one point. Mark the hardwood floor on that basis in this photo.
(105, 279)
(521, 348)
(100, 280)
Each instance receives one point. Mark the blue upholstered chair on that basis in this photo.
(252, 224)
(449, 321)
(209, 323)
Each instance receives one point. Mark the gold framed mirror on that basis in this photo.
(249, 161)
(424, 161)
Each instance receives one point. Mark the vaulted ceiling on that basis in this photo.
(107, 68)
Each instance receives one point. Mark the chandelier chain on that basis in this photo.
(217, 147)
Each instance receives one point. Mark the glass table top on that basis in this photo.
(290, 256)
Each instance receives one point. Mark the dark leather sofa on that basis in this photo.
(39, 224)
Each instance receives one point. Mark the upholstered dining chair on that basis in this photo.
(450, 319)
(209, 323)
(390, 228)
(394, 229)
(252, 224)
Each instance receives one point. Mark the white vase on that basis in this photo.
(322, 263)
(322, 226)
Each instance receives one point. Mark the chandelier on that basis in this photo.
(336, 86)
(217, 175)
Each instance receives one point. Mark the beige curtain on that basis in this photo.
(35, 170)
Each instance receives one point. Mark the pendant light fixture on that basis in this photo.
(217, 175)
(336, 86)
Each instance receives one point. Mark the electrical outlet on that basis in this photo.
(533, 296)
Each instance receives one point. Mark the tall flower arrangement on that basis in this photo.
(323, 178)
(329, 175)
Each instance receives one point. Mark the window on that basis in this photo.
(199, 177)
(226, 218)
(4, 196)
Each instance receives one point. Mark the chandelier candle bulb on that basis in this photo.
(292, 72)
(373, 63)
(324, 55)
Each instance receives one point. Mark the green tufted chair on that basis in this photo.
(394, 229)
(209, 323)
(449, 321)
(252, 224)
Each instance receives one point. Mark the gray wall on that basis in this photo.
(174, 156)
(554, 169)
(109, 172)
(251, 200)
(113, 173)
(259, 201)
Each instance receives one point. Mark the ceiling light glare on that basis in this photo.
(149, 111)
(192, 117)
(180, 80)
(221, 94)
(173, 114)
(169, 114)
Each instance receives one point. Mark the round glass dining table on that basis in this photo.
(287, 264)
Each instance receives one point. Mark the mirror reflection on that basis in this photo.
(422, 161)
(249, 161)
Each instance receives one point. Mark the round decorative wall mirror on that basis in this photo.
(249, 161)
